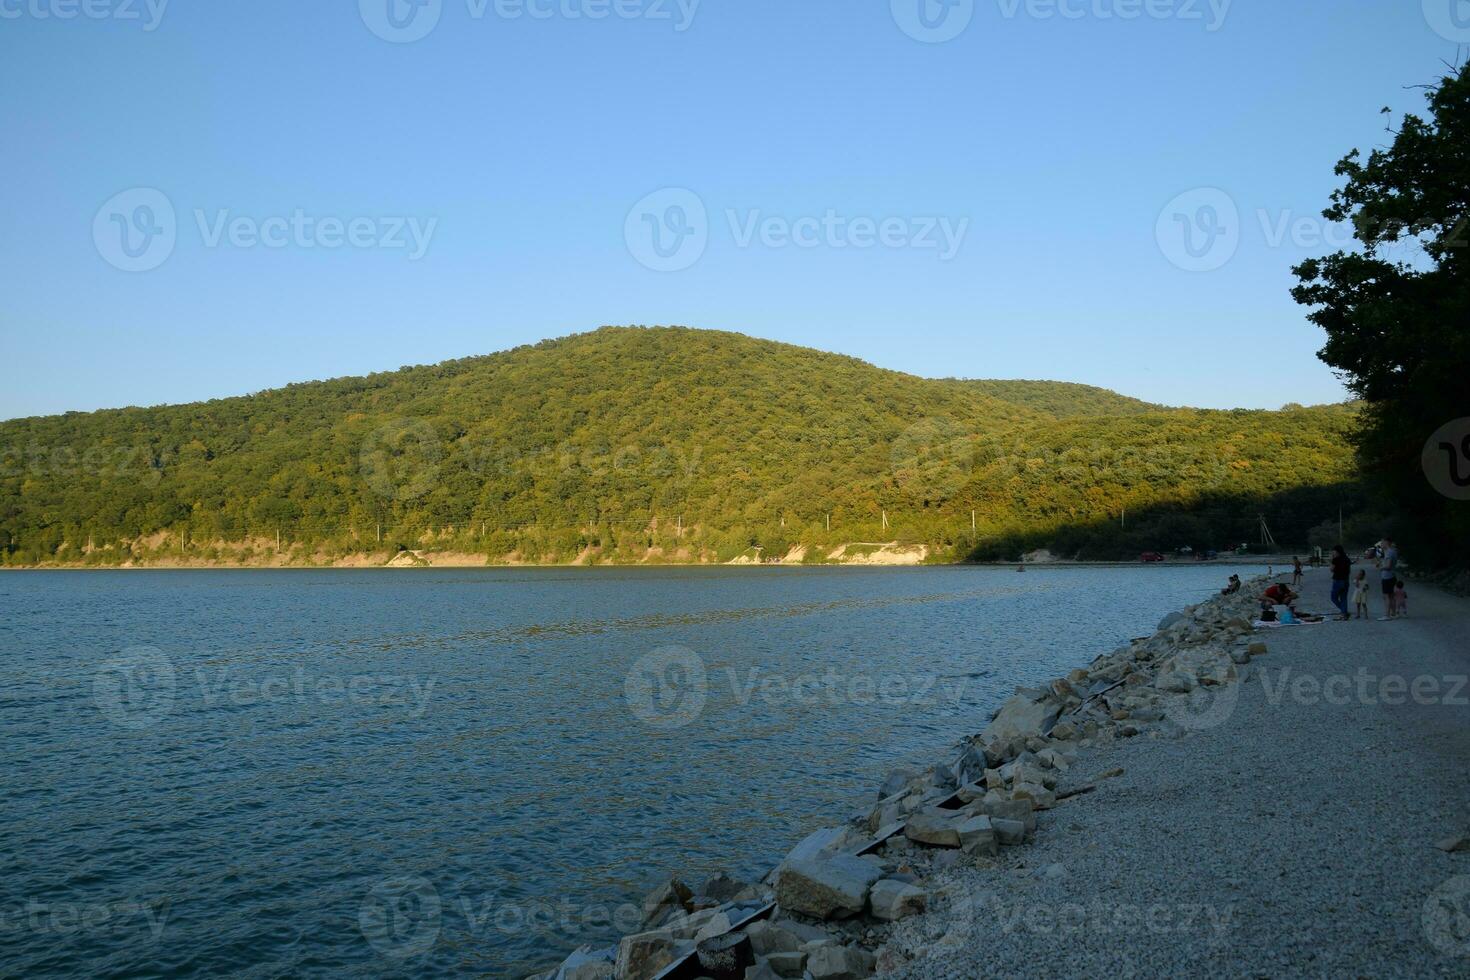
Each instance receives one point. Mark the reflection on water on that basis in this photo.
(433, 772)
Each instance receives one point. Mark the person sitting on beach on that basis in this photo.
(1280, 595)
(1360, 594)
(1233, 587)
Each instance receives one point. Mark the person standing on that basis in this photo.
(1389, 567)
(1360, 594)
(1342, 569)
(1296, 571)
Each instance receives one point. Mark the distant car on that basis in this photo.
(1209, 555)
(1150, 556)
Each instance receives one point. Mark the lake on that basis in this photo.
(436, 772)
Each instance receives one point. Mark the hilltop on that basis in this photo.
(632, 444)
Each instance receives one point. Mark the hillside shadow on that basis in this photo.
(1297, 519)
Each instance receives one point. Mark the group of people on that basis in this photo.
(1385, 555)
(1278, 603)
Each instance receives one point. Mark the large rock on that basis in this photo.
(934, 829)
(1177, 681)
(840, 963)
(1002, 807)
(1009, 832)
(671, 896)
(977, 836)
(893, 900)
(817, 843)
(643, 955)
(1028, 713)
(829, 886)
(792, 964)
(896, 782)
(1040, 797)
(766, 938)
(587, 964)
(722, 888)
(1172, 619)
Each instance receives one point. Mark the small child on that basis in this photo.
(1400, 598)
(1360, 594)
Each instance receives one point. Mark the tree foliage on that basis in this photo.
(634, 443)
(1395, 308)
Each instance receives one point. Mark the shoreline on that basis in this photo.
(1178, 864)
(830, 907)
(1250, 561)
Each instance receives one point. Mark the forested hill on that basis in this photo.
(630, 444)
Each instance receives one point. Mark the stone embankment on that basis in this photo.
(830, 909)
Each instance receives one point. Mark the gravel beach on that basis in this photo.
(1291, 831)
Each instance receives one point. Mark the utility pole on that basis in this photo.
(972, 521)
(885, 519)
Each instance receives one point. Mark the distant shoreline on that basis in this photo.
(1232, 562)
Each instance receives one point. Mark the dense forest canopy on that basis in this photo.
(634, 443)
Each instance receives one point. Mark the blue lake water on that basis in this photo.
(435, 772)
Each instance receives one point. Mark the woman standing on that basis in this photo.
(1342, 569)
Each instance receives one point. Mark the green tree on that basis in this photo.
(1396, 325)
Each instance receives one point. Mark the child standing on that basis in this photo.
(1400, 598)
(1360, 594)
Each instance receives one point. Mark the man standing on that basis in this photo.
(1389, 565)
(1342, 569)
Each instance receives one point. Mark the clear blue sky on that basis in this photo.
(520, 144)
